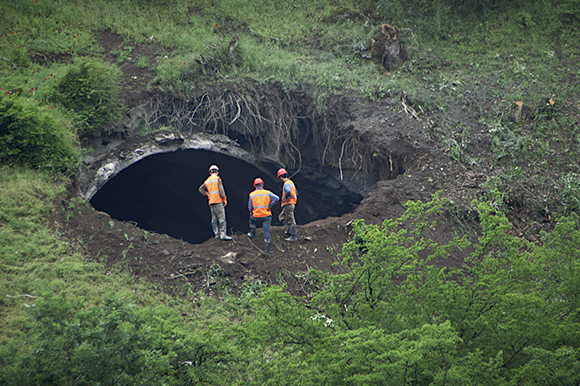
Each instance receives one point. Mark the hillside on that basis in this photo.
(455, 140)
(389, 115)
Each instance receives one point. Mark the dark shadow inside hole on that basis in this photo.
(160, 194)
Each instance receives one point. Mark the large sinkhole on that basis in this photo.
(160, 193)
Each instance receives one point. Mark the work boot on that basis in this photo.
(293, 233)
(252, 233)
(223, 230)
(215, 228)
(268, 248)
(286, 228)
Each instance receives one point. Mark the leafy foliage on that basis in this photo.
(90, 91)
(397, 319)
(36, 138)
(114, 343)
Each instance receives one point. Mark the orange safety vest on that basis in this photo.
(260, 203)
(213, 190)
(293, 198)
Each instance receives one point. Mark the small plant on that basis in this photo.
(282, 276)
(212, 274)
(570, 192)
(251, 290)
(75, 203)
(311, 277)
(215, 270)
(122, 54)
(126, 251)
(142, 61)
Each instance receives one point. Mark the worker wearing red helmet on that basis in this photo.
(260, 207)
(288, 202)
(213, 188)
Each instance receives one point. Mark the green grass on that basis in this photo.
(35, 261)
(319, 43)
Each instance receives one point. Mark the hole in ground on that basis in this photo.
(160, 194)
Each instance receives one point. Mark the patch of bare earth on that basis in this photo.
(135, 61)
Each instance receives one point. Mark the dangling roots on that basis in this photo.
(274, 122)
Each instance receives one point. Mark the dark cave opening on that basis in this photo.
(160, 194)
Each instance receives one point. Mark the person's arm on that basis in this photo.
(222, 192)
(221, 188)
(202, 189)
(250, 206)
(273, 199)
(287, 192)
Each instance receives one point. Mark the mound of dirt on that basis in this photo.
(208, 266)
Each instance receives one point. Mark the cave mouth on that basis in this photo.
(160, 194)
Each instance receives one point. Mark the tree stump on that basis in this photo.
(387, 50)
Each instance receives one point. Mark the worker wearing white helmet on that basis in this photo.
(213, 188)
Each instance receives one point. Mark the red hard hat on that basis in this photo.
(281, 172)
(214, 167)
(258, 181)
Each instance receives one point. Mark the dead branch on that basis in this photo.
(11, 62)
(409, 110)
(173, 277)
(340, 160)
(20, 296)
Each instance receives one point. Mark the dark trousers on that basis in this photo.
(265, 221)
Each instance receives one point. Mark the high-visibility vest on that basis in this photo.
(213, 190)
(260, 203)
(293, 198)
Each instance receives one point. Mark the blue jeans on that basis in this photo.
(265, 221)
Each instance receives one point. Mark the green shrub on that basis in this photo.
(18, 57)
(116, 343)
(90, 92)
(570, 192)
(32, 137)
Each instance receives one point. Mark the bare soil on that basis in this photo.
(226, 265)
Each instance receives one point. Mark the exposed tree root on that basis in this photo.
(269, 122)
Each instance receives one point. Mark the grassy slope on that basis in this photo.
(513, 54)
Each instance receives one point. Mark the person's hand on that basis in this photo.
(225, 202)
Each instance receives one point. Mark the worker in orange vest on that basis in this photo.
(289, 200)
(260, 207)
(213, 188)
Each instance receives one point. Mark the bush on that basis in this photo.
(32, 137)
(90, 92)
(116, 343)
